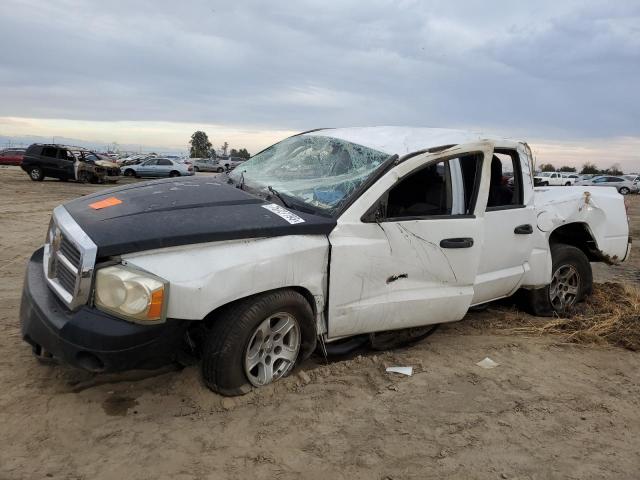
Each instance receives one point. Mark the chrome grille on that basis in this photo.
(69, 258)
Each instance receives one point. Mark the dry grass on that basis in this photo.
(611, 315)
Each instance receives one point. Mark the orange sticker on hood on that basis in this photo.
(106, 203)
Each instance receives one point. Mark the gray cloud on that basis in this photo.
(549, 68)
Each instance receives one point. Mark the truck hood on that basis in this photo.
(172, 212)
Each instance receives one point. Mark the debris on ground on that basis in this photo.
(487, 363)
(408, 371)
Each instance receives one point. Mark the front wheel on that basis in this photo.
(129, 172)
(257, 341)
(36, 174)
(571, 280)
(624, 191)
(545, 184)
(220, 170)
(568, 184)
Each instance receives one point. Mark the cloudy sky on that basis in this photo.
(564, 75)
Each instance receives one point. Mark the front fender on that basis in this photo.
(206, 276)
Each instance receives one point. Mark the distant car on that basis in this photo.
(158, 167)
(206, 165)
(11, 156)
(623, 185)
(67, 163)
(231, 162)
(544, 179)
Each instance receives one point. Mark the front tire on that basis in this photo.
(257, 341)
(571, 281)
(624, 191)
(129, 173)
(36, 174)
(220, 170)
(545, 184)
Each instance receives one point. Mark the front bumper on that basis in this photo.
(88, 338)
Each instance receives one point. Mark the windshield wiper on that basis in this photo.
(277, 194)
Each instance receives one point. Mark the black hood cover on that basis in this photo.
(172, 212)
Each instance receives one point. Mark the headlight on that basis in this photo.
(131, 294)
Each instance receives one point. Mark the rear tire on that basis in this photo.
(174, 174)
(243, 348)
(571, 281)
(36, 174)
(196, 169)
(568, 184)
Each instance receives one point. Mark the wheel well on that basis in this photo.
(308, 296)
(579, 236)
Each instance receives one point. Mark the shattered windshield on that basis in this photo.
(318, 171)
(545, 174)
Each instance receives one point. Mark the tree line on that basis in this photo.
(587, 168)
(200, 147)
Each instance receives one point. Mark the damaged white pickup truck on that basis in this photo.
(324, 236)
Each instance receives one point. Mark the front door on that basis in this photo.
(407, 251)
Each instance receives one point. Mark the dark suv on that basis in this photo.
(67, 163)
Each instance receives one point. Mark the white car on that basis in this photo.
(377, 233)
(545, 179)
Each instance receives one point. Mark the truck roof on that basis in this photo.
(404, 140)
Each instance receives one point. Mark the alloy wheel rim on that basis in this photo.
(563, 291)
(35, 173)
(272, 349)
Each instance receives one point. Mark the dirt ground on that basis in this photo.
(549, 410)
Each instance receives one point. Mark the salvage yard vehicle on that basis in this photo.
(67, 163)
(207, 165)
(11, 156)
(545, 179)
(158, 167)
(326, 235)
(622, 184)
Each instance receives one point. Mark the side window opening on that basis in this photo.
(447, 187)
(164, 161)
(50, 152)
(505, 188)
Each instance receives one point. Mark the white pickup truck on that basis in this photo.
(326, 236)
(545, 179)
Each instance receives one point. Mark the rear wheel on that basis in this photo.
(257, 341)
(174, 174)
(624, 191)
(571, 280)
(36, 174)
(196, 169)
(568, 184)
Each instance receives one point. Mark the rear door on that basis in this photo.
(48, 160)
(407, 251)
(164, 167)
(510, 220)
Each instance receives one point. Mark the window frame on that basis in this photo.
(370, 216)
(517, 177)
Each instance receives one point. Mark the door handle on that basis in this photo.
(456, 243)
(526, 229)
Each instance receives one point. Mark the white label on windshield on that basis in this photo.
(292, 218)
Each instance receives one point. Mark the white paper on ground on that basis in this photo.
(402, 370)
(487, 363)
